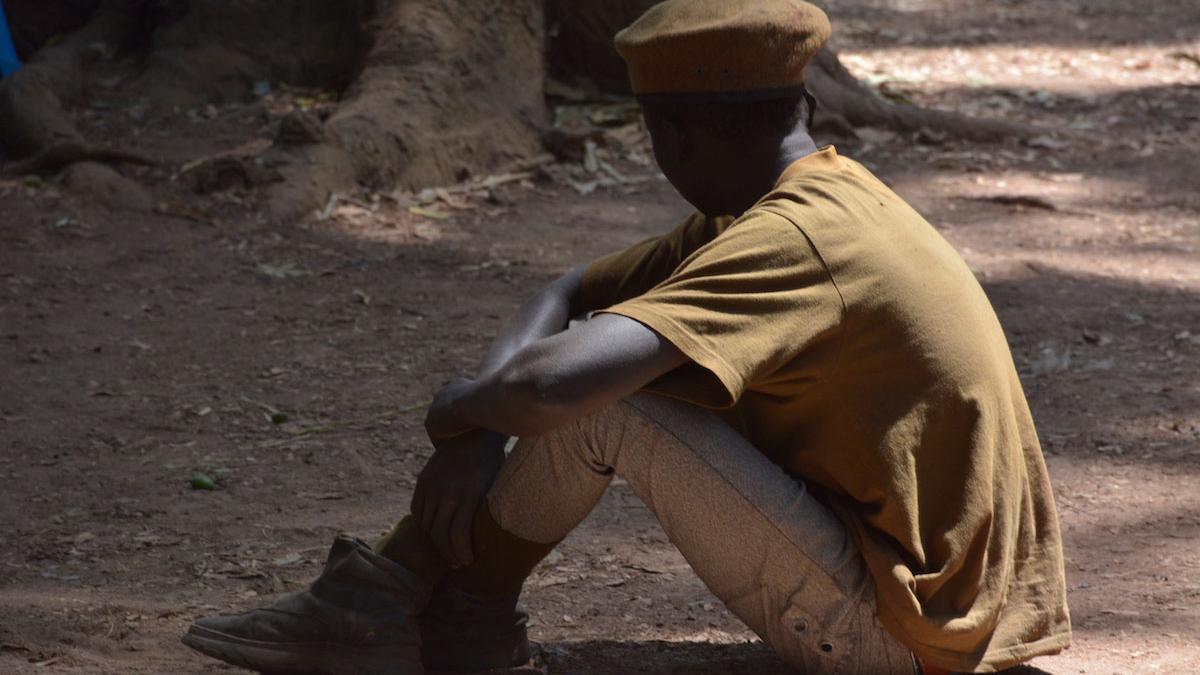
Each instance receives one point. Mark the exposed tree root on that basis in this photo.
(61, 155)
(841, 95)
(35, 124)
(432, 91)
(581, 47)
(449, 89)
(215, 51)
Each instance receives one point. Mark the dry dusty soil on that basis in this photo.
(291, 362)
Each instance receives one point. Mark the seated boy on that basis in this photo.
(813, 396)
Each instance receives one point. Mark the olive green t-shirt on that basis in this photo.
(850, 343)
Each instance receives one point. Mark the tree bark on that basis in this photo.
(581, 48)
(430, 91)
(449, 89)
(35, 122)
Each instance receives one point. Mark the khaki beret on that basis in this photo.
(722, 49)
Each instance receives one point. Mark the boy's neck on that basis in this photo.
(762, 167)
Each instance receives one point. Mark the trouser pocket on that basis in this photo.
(812, 635)
(835, 640)
(821, 617)
(798, 608)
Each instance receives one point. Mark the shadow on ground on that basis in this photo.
(603, 657)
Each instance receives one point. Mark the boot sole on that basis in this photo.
(534, 664)
(498, 656)
(316, 658)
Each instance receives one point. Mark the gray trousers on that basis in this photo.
(777, 557)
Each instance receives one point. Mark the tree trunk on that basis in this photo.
(581, 48)
(450, 88)
(429, 91)
(35, 122)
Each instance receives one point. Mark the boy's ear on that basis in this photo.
(674, 138)
(682, 134)
(668, 137)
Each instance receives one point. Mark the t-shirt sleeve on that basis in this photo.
(635, 270)
(740, 308)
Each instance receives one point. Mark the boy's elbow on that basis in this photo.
(533, 400)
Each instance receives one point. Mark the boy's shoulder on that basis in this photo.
(828, 191)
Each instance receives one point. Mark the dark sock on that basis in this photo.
(502, 560)
(408, 545)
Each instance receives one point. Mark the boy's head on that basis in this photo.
(722, 88)
(707, 149)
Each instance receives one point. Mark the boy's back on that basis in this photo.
(865, 358)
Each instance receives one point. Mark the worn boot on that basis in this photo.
(465, 633)
(359, 617)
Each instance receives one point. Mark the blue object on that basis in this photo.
(8, 54)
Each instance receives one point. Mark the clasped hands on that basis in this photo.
(452, 485)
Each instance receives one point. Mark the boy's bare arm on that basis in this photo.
(535, 376)
(555, 380)
(543, 315)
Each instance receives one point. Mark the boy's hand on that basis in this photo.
(441, 423)
(451, 488)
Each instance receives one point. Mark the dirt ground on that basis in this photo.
(291, 362)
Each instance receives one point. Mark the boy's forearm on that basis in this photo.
(545, 314)
(502, 404)
(557, 379)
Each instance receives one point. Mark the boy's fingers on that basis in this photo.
(440, 531)
(429, 509)
(417, 504)
(460, 534)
